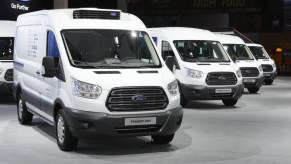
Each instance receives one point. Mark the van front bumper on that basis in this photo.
(270, 76)
(253, 82)
(103, 125)
(6, 87)
(199, 92)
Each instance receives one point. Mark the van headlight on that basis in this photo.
(173, 88)
(193, 73)
(238, 72)
(1, 70)
(85, 90)
(261, 68)
(274, 65)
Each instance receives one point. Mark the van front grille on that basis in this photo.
(249, 72)
(96, 14)
(9, 75)
(221, 78)
(267, 68)
(137, 99)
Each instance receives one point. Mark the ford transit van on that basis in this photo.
(203, 69)
(251, 69)
(268, 64)
(7, 32)
(93, 73)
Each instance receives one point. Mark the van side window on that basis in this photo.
(167, 50)
(52, 46)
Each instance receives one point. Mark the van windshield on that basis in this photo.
(201, 51)
(6, 48)
(259, 52)
(240, 51)
(110, 49)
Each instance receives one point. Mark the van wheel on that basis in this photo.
(24, 116)
(254, 89)
(229, 102)
(163, 139)
(269, 82)
(65, 140)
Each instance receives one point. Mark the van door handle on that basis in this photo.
(38, 72)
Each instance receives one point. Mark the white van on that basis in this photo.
(93, 73)
(268, 64)
(200, 64)
(7, 31)
(250, 68)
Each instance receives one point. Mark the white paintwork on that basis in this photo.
(171, 34)
(7, 29)
(231, 39)
(268, 61)
(50, 89)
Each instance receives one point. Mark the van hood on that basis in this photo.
(112, 78)
(247, 63)
(212, 67)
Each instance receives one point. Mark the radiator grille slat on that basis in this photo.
(249, 72)
(221, 78)
(267, 68)
(9, 75)
(122, 99)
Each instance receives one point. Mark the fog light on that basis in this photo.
(179, 120)
(85, 125)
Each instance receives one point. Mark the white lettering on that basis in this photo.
(19, 7)
(204, 3)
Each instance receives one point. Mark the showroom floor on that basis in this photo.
(256, 131)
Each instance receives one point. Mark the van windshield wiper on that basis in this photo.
(87, 64)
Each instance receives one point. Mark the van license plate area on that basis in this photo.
(249, 80)
(225, 90)
(140, 121)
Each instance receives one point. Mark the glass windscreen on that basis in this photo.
(6, 48)
(259, 52)
(201, 51)
(110, 49)
(240, 51)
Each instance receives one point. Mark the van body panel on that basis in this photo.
(101, 95)
(197, 88)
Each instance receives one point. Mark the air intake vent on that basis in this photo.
(249, 72)
(267, 68)
(96, 14)
(221, 78)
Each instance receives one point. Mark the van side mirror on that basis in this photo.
(48, 64)
(170, 62)
(233, 57)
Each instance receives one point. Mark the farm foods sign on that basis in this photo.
(224, 4)
(10, 9)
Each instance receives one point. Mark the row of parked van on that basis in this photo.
(101, 73)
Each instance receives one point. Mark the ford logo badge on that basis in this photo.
(248, 71)
(222, 78)
(138, 98)
(114, 14)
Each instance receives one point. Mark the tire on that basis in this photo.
(65, 140)
(229, 102)
(24, 116)
(253, 89)
(269, 82)
(163, 139)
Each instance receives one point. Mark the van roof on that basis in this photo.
(7, 28)
(185, 33)
(229, 39)
(64, 19)
(253, 45)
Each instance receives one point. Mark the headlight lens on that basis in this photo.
(173, 88)
(85, 90)
(274, 65)
(1, 70)
(261, 68)
(193, 73)
(238, 72)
